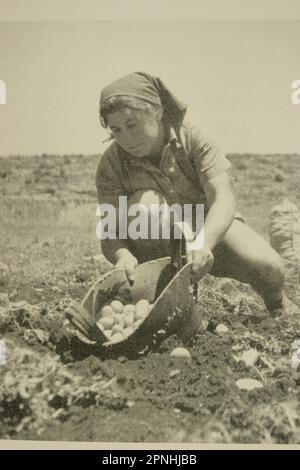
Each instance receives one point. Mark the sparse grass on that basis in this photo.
(44, 243)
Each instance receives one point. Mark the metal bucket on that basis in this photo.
(164, 282)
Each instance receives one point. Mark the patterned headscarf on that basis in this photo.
(151, 89)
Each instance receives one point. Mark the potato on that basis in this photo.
(181, 357)
(181, 353)
(116, 337)
(128, 320)
(128, 331)
(117, 306)
(117, 329)
(129, 308)
(140, 315)
(119, 319)
(107, 311)
(142, 303)
(106, 322)
(142, 309)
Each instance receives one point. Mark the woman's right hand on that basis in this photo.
(126, 260)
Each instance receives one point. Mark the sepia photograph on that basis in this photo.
(150, 228)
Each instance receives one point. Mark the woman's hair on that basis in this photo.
(116, 103)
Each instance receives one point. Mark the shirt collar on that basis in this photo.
(172, 137)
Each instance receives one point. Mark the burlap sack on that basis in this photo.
(285, 239)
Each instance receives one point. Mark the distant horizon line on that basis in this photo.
(45, 154)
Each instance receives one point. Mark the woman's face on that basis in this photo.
(140, 133)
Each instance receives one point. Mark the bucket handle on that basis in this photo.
(187, 241)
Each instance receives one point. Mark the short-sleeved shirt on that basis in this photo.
(187, 160)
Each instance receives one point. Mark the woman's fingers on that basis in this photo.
(202, 263)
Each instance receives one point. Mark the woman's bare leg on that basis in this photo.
(246, 256)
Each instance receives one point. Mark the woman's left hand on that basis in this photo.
(202, 262)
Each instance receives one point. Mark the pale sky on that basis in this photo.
(36, 10)
(235, 75)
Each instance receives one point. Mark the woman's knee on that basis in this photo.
(270, 270)
(252, 255)
(151, 207)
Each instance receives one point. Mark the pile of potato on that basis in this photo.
(118, 321)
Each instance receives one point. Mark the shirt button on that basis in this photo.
(171, 169)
